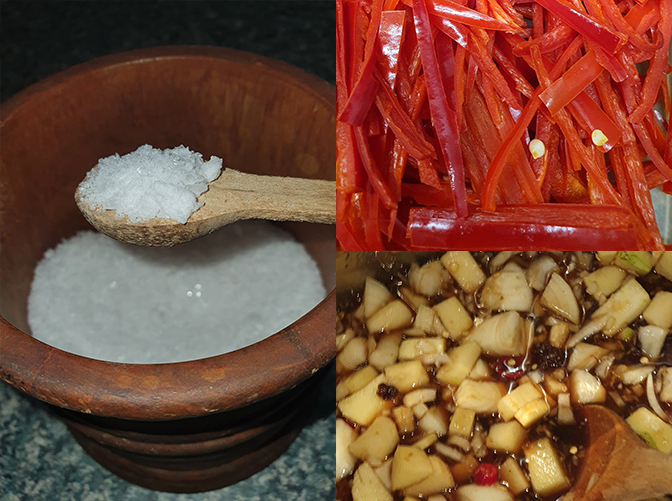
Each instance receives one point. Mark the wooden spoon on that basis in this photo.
(232, 197)
(618, 465)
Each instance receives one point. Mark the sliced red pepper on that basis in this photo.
(455, 12)
(391, 34)
(401, 124)
(657, 66)
(364, 91)
(566, 88)
(369, 164)
(443, 117)
(491, 71)
(589, 111)
(455, 31)
(584, 24)
(539, 227)
(643, 16)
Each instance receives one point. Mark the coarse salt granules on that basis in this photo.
(104, 299)
(150, 183)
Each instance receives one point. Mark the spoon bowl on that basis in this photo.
(618, 465)
(232, 197)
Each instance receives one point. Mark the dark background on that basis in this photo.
(39, 38)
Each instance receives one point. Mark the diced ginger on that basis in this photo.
(462, 422)
(345, 461)
(623, 306)
(632, 375)
(384, 473)
(532, 412)
(507, 291)
(559, 298)
(473, 492)
(604, 281)
(553, 386)
(464, 269)
(666, 391)
(411, 349)
(465, 469)
(501, 335)
(659, 311)
(363, 406)
(420, 396)
(386, 351)
(479, 396)
(511, 473)
(366, 486)
(426, 441)
(377, 442)
(426, 320)
(376, 296)
(435, 421)
(546, 470)
(404, 418)
(394, 315)
(565, 413)
(406, 376)
(480, 371)
(539, 270)
(412, 299)
(664, 265)
(356, 381)
(559, 334)
(428, 279)
(344, 338)
(585, 356)
(651, 339)
(585, 388)
(517, 399)
(354, 353)
(606, 257)
(653, 430)
(506, 437)
(419, 410)
(460, 362)
(439, 480)
(454, 317)
(409, 466)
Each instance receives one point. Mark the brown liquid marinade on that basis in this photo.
(394, 275)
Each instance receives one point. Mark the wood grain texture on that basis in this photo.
(618, 465)
(234, 196)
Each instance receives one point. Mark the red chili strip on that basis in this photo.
(592, 114)
(584, 24)
(455, 12)
(364, 91)
(539, 227)
(566, 88)
(443, 117)
(401, 124)
(391, 34)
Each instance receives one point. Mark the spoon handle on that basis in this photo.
(274, 198)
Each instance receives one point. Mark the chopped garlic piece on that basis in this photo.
(537, 148)
(599, 138)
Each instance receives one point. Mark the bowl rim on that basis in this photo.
(183, 389)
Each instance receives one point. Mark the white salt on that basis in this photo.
(100, 298)
(150, 183)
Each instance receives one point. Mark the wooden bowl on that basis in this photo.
(181, 427)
